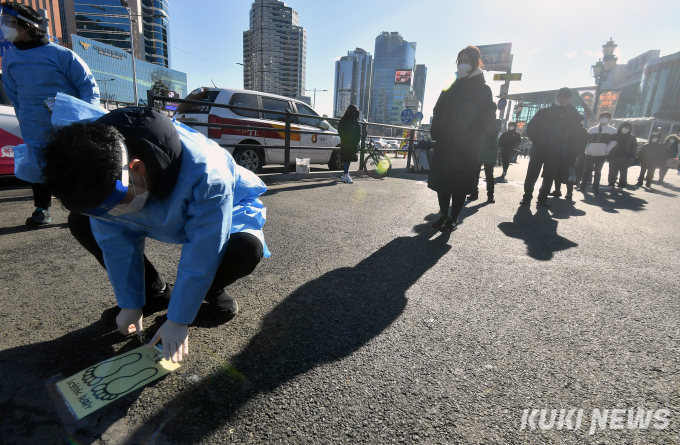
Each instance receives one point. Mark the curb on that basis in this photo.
(281, 177)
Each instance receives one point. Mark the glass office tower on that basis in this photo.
(392, 53)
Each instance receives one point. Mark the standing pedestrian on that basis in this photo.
(550, 131)
(508, 143)
(601, 140)
(622, 156)
(487, 156)
(33, 72)
(673, 142)
(671, 153)
(652, 154)
(566, 172)
(460, 117)
(349, 130)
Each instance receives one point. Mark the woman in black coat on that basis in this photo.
(350, 138)
(459, 119)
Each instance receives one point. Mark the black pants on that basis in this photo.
(570, 187)
(593, 163)
(580, 163)
(457, 203)
(507, 154)
(662, 172)
(42, 196)
(243, 254)
(488, 171)
(644, 167)
(618, 167)
(549, 165)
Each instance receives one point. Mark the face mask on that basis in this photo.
(9, 33)
(464, 69)
(625, 130)
(654, 139)
(604, 120)
(511, 128)
(136, 204)
(557, 102)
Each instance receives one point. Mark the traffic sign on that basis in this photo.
(508, 76)
(406, 116)
(419, 116)
(496, 57)
(502, 103)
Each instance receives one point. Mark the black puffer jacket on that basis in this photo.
(461, 115)
(552, 129)
(350, 138)
(626, 145)
(509, 141)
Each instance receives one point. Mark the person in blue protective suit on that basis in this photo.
(134, 174)
(33, 71)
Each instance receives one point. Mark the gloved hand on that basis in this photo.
(175, 338)
(129, 321)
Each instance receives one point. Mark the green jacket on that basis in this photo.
(488, 149)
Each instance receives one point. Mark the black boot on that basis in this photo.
(440, 222)
(223, 307)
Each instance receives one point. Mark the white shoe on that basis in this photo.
(348, 180)
(342, 178)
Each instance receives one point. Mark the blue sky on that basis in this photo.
(554, 41)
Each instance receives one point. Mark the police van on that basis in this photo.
(253, 158)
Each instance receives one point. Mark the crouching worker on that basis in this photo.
(134, 174)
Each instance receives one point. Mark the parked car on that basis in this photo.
(10, 134)
(254, 158)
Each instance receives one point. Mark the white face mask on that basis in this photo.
(604, 120)
(511, 128)
(9, 33)
(133, 206)
(464, 69)
(557, 102)
(655, 139)
(625, 130)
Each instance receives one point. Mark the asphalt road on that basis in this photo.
(366, 326)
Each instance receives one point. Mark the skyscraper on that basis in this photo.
(353, 78)
(392, 53)
(107, 21)
(419, 79)
(274, 50)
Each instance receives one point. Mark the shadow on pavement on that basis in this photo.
(301, 186)
(670, 187)
(16, 199)
(469, 210)
(323, 321)
(657, 191)
(538, 231)
(612, 202)
(24, 228)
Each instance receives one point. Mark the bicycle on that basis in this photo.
(376, 164)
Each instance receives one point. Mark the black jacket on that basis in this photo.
(151, 136)
(460, 116)
(626, 146)
(509, 141)
(349, 131)
(552, 130)
(653, 154)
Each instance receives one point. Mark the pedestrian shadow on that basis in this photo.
(28, 413)
(564, 209)
(298, 187)
(538, 231)
(657, 191)
(24, 228)
(16, 199)
(612, 202)
(471, 210)
(321, 322)
(670, 187)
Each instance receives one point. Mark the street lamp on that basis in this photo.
(519, 107)
(106, 89)
(602, 68)
(315, 90)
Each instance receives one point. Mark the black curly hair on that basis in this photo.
(80, 163)
(29, 13)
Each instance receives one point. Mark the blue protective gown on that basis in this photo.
(32, 75)
(213, 198)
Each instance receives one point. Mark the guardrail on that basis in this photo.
(288, 120)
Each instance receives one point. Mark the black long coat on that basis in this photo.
(459, 119)
(349, 131)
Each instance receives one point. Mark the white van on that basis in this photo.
(254, 158)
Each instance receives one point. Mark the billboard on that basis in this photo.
(608, 101)
(496, 57)
(172, 106)
(403, 76)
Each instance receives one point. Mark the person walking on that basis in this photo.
(622, 156)
(459, 119)
(566, 172)
(508, 143)
(349, 130)
(601, 141)
(487, 157)
(671, 153)
(550, 131)
(673, 142)
(652, 154)
(33, 72)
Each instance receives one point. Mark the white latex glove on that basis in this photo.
(129, 321)
(175, 338)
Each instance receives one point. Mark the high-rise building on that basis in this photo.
(392, 53)
(274, 50)
(107, 21)
(353, 78)
(419, 79)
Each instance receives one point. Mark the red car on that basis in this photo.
(10, 134)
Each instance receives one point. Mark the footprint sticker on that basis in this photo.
(94, 375)
(122, 385)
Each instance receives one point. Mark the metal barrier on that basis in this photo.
(288, 119)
